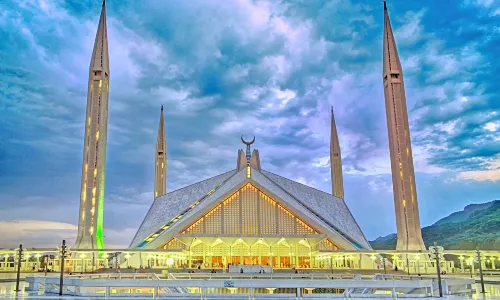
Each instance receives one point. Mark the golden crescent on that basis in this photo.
(248, 143)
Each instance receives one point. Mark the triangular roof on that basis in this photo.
(330, 209)
(166, 207)
(188, 204)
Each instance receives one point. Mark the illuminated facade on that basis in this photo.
(336, 162)
(90, 221)
(161, 160)
(249, 216)
(403, 176)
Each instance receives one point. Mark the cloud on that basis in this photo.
(491, 173)
(265, 68)
(47, 234)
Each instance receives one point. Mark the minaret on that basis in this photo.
(90, 221)
(336, 162)
(161, 160)
(403, 176)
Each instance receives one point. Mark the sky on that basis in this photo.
(222, 69)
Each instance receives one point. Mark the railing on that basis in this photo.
(78, 286)
(116, 276)
(451, 285)
(252, 276)
(349, 291)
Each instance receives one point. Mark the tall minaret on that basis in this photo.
(90, 221)
(403, 176)
(336, 162)
(161, 160)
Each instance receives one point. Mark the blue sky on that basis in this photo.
(269, 68)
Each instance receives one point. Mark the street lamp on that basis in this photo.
(64, 251)
(20, 258)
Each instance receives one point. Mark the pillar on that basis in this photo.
(296, 256)
(493, 263)
(278, 257)
(462, 264)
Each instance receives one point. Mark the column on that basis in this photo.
(296, 256)
(492, 263)
(190, 260)
(461, 264)
(278, 258)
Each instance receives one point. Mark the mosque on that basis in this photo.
(247, 215)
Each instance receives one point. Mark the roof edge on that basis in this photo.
(156, 199)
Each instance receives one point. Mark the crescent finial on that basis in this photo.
(248, 143)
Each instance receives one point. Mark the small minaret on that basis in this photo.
(336, 162)
(403, 176)
(161, 160)
(90, 221)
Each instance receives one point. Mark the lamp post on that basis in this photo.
(436, 253)
(408, 264)
(395, 262)
(63, 252)
(383, 262)
(20, 257)
(480, 269)
(461, 258)
(470, 263)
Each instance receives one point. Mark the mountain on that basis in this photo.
(477, 224)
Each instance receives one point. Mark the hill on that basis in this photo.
(477, 224)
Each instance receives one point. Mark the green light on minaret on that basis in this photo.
(100, 218)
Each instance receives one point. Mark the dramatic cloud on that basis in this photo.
(265, 68)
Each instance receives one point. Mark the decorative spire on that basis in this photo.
(161, 160)
(336, 161)
(100, 58)
(91, 215)
(403, 175)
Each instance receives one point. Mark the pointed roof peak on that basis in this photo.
(162, 104)
(385, 4)
(100, 55)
